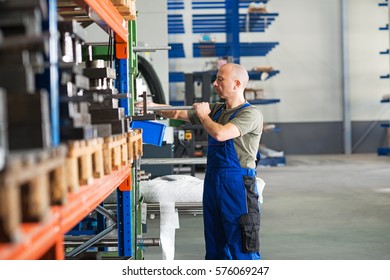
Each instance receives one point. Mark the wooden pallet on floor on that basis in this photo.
(30, 183)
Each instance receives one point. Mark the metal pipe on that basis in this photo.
(91, 241)
(137, 48)
(149, 242)
(102, 243)
(108, 213)
(146, 242)
(345, 79)
(173, 108)
(174, 161)
(150, 49)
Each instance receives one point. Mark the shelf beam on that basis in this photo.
(36, 241)
(44, 240)
(104, 13)
(83, 202)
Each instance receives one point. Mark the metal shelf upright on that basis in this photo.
(385, 150)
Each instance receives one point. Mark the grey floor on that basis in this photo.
(326, 207)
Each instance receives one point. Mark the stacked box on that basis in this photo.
(22, 50)
(102, 80)
(75, 119)
(28, 121)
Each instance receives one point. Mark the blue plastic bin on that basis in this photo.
(152, 132)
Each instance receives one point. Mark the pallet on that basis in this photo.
(84, 162)
(30, 183)
(134, 140)
(115, 152)
(126, 8)
(34, 180)
(94, 158)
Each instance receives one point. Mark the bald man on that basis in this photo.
(231, 209)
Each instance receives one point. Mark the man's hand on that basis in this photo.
(214, 129)
(140, 106)
(202, 109)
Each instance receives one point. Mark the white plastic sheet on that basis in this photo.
(169, 222)
(167, 190)
(176, 188)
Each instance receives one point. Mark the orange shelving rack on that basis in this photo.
(44, 239)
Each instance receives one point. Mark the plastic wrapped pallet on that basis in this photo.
(167, 190)
(174, 188)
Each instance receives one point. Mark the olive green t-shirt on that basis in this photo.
(249, 122)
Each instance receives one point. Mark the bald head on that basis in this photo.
(238, 72)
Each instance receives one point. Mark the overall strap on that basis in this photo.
(258, 157)
(246, 104)
(219, 111)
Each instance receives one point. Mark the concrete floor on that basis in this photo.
(325, 207)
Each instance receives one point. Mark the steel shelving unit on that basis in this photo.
(176, 26)
(226, 17)
(385, 150)
(230, 22)
(45, 239)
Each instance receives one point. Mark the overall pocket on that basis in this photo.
(250, 228)
(252, 194)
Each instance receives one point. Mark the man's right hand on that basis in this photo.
(202, 109)
(140, 105)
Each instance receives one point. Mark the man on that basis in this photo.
(230, 197)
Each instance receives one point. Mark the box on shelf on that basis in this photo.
(152, 132)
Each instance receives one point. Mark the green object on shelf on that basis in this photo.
(175, 123)
(98, 52)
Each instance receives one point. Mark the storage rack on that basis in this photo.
(385, 150)
(176, 26)
(231, 22)
(45, 239)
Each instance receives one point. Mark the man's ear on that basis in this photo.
(237, 83)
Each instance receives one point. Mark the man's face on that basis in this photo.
(224, 84)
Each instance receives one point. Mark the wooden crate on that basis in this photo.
(30, 183)
(84, 162)
(126, 8)
(115, 152)
(134, 140)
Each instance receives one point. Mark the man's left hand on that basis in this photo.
(202, 109)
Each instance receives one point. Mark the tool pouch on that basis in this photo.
(252, 194)
(250, 227)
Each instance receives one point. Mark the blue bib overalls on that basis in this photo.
(230, 203)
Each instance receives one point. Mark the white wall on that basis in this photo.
(366, 64)
(309, 58)
(152, 30)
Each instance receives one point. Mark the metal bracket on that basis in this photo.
(145, 115)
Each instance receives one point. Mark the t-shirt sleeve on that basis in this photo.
(249, 120)
(194, 118)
